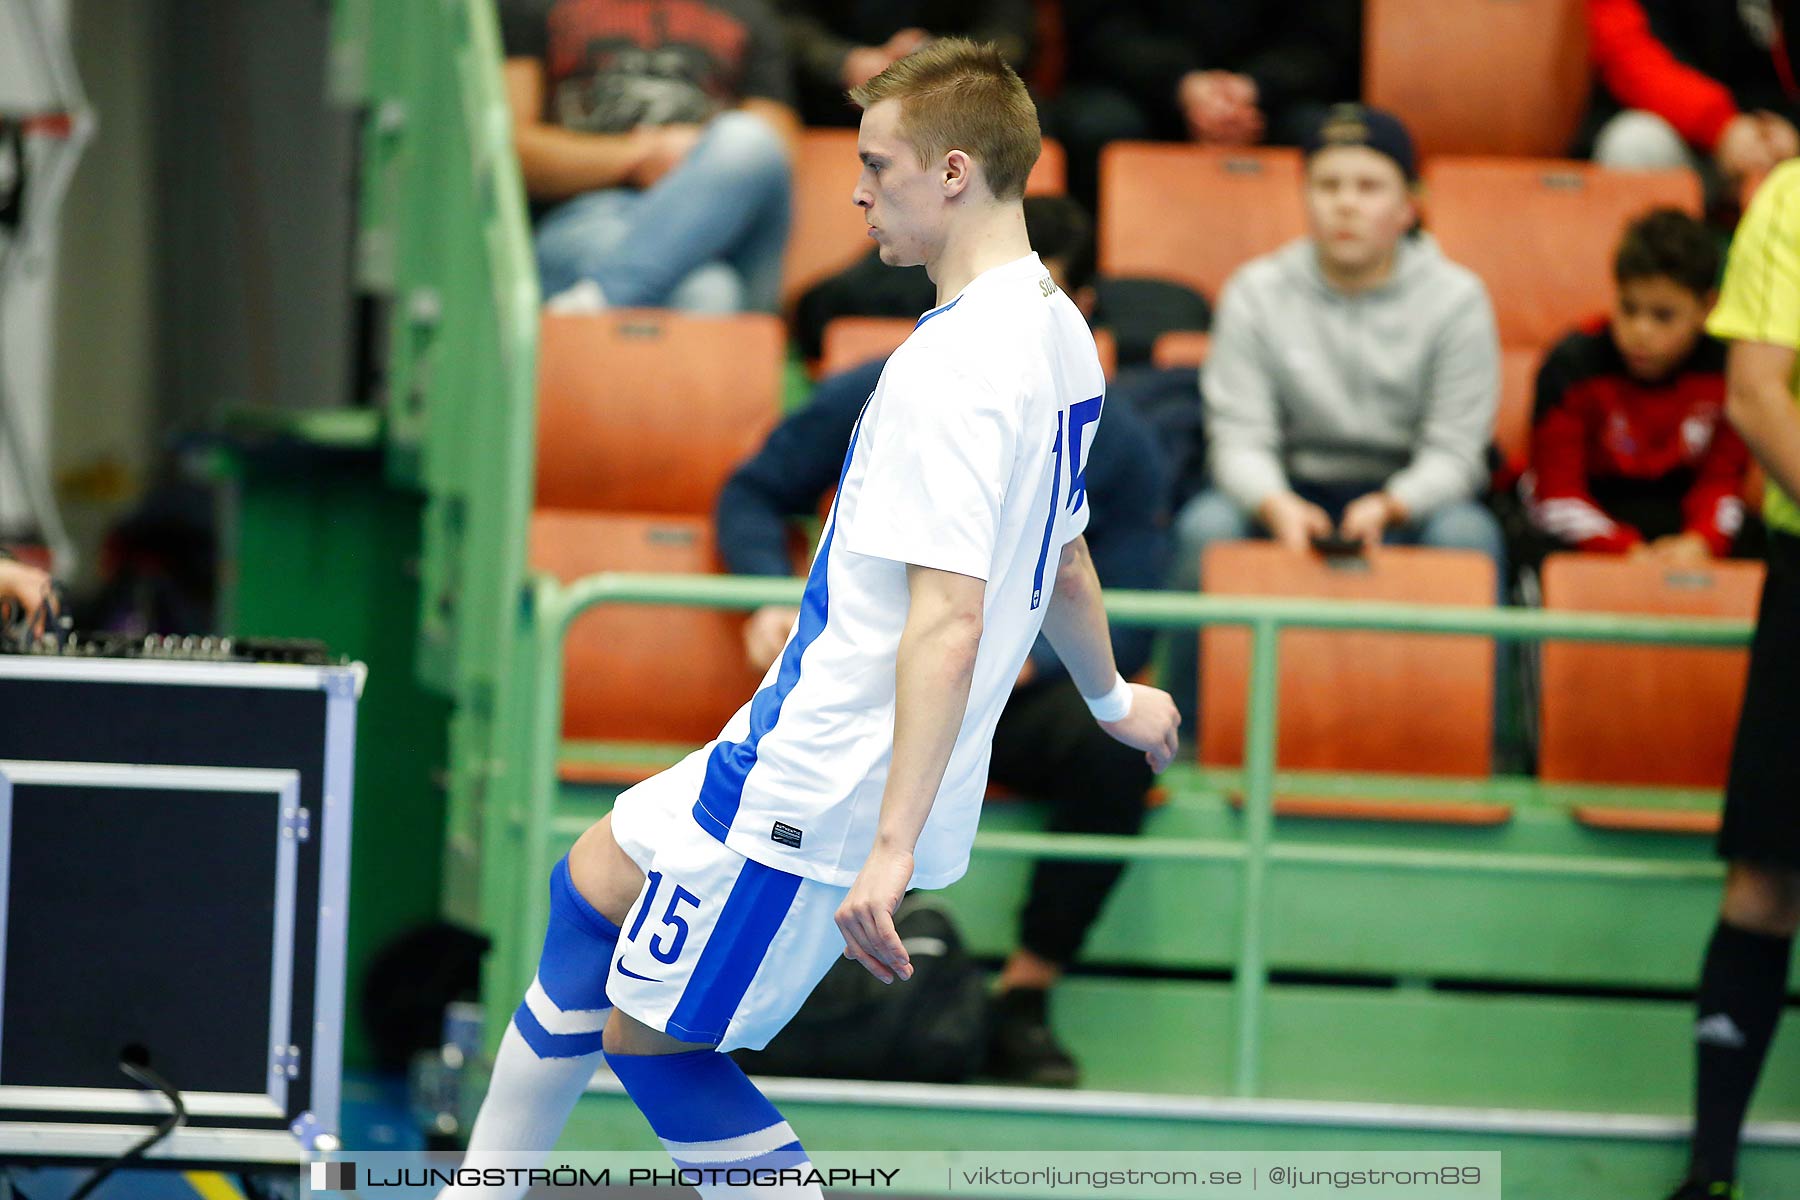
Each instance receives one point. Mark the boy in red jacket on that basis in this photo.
(1630, 452)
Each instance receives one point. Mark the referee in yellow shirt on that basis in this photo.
(1744, 978)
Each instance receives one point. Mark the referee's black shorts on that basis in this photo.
(1762, 797)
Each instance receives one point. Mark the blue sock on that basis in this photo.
(564, 1012)
(712, 1119)
(551, 1048)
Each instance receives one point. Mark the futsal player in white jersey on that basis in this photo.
(697, 916)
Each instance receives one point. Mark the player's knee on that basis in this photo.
(1762, 899)
(625, 1034)
(603, 873)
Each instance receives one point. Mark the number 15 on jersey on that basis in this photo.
(1071, 445)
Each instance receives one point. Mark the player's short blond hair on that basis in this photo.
(957, 95)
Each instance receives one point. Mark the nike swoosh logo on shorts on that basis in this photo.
(628, 972)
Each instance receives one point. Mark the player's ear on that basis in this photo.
(958, 170)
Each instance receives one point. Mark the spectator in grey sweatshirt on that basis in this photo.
(1353, 376)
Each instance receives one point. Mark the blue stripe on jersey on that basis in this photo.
(937, 312)
(729, 765)
(758, 903)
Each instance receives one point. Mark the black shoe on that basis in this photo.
(1021, 1048)
(1698, 1189)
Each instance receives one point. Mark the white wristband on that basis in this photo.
(1115, 704)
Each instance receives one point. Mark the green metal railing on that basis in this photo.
(444, 253)
(554, 607)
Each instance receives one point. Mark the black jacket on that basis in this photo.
(1298, 51)
(1128, 486)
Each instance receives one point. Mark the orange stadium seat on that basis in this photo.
(641, 672)
(1480, 76)
(852, 341)
(1194, 214)
(1378, 702)
(1642, 714)
(1180, 348)
(1512, 421)
(828, 233)
(649, 411)
(1541, 233)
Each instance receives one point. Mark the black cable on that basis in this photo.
(144, 1077)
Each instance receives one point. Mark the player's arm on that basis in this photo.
(558, 163)
(1075, 624)
(932, 673)
(1760, 406)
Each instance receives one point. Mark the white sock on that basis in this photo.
(528, 1102)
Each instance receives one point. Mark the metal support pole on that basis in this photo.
(1259, 817)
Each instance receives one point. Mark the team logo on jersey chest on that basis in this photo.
(786, 835)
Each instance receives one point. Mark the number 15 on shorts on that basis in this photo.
(671, 932)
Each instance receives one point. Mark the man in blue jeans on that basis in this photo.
(1352, 381)
(655, 150)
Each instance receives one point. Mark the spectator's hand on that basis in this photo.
(1368, 517)
(1220, 107)
(1150, 725)
(863, 64)
(906, 41)
(1293, 522)
(1027, 673)
(1679, 549)
(1779, 135)
(766, 632)
(866, 62)
(1744, 148)
(24, 588)
(660, 150)
(866, 917)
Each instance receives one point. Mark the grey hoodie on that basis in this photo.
(1396, 384)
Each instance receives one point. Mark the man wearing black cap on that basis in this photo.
(1353, 375)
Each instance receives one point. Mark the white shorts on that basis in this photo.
(717, 948)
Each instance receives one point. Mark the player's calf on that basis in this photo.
(724, 1135)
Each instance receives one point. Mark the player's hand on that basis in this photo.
(660, 149)
(1293, 522)
(766, 632)
(1151, 725)
(1366, 518)
(1743, 149)
(866, 917)
(27, 590)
